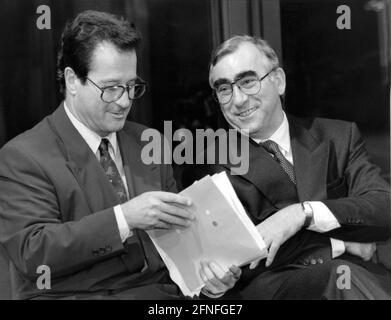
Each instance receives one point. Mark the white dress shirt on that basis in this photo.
(93, 140)
(324, 220)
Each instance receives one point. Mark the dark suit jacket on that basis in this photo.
(56, 209)
(331, 165)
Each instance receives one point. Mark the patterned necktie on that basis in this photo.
(272, 147)
(111, 171)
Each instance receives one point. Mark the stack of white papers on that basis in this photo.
(222, 232)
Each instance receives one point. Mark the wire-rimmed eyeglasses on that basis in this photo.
(249, 85)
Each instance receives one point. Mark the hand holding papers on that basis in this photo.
(221, 232)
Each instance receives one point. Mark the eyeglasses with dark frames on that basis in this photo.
(113, 93)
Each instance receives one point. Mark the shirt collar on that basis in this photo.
(281, 136)
(91, 137)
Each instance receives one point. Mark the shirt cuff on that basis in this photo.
(211, 295)
(337, 248)
(324, 219)
(123, 227)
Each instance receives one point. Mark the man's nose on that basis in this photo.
(238, 97)
(124, 100)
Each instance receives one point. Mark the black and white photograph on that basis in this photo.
(196, 154)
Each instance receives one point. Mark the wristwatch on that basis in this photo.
(309, 213)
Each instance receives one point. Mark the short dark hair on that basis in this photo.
(232, 44)
(81, 36)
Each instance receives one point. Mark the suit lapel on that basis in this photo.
(310, 165)
(310, 161)
(82, 163)
(140, 177)
(266, 175)
(269, 177)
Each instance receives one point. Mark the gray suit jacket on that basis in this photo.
(56, 209)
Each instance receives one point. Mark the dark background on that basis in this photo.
(332, 73)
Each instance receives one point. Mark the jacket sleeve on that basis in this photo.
(364, 210)
(32, 229)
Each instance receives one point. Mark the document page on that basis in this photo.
(222, 232)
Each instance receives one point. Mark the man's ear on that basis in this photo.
(280, 80)
(71, 80)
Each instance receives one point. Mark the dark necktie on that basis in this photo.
(272, 147)
(111, 171)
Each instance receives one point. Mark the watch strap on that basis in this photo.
(309, 213)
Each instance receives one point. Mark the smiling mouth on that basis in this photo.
(119, 114)
(247, 113)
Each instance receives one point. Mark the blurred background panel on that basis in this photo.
(180, 40)
(332, 73)
(28, 87)
(343, 74)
